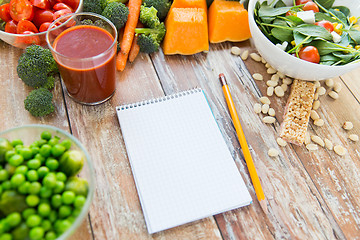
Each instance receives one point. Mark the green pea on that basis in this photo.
(32, 200)
(68, 197)
(1, 190)
(26, 153)
(35, 150)
(56, 201)
(33, 220)
(16, 160)
(66, 143)
(45, 150)
(42, 171)
(53, 216)
(57, 150)
(52, 164)
(53, 141)
(41, 142)
(36, 233)
(24, 188)
(64, 211)
(49, 180)
(76, 212)
(46, 225)
(9, 154)
(62, 226)
(17, 179)
(59, 187)
(45, 192)
(4, 175)
(16, 142)
(79, 201)
(5, 227)
(21, 232)
(46, 135)
(40, 157)
(6, 185)
(18, 148)
(21, 169)
(32, 175)
(28, 212)
(10, 168)
(6, 236)
(60, 176)
(34, 163)
(34, 188)
(50, 235)
(44, 209)
(45, 200)
(14, 219)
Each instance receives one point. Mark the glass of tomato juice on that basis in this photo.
(84, 47)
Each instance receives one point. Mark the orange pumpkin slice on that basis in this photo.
(228, 21)
(186, 31)
(189, 4)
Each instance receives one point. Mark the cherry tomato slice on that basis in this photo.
(73, 4)
(60, 13)
(11, 27)
(43, 4)
(310, 54)
(26, 25)
(300, 2)
(21, 9)
(5, 12)
(44, 27)
(42, 15)
(27, 40)
(59, 6)
(326, 24)
(311, 6)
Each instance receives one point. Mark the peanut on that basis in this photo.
(271, 83)
(268, 119)
(314, 115)
(317, 140)
(245, 55)
(235, 51)
(256, 57)
(257, 108)
(270, 91)
(271, 112)
(271, 70)
(321, 91)
(312, 147)
(265, 100)
(258, 76)
(328, 144)
(339, 150)
(329, 82)
(316, 104)
(265, 108)
(348, 125)
(281, 142)
(354, 137)
(337, 87)
(333, 95)
(279, 91)
(273, 152)
(319, 122)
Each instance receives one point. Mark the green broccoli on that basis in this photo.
(37, 67)
(117, 13)
(162, 6)
(149, 39)
(39, 102)
(94, 6)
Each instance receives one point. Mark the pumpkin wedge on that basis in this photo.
(189, 4)
(228, 21)
(186, 31)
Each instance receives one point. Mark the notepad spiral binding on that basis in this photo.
(160, 99)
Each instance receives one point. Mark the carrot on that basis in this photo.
(129, 32)
(134, 50)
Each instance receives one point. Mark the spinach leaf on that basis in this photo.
(314, 31)
(325, 47)
(346, 57)
(280, 33)
(299, 38)
(319, 16)
(267, 11)
(326, 3)
(340, 16)
(280, 3)
(267, 19)
(355, 35)
(293, 20)
(329, 57)
(344, 10)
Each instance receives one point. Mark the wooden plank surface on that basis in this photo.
(311, 195)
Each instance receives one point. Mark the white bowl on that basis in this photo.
(22, 40)
(290, 65)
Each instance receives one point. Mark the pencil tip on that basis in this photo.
(222, 79)
(264, 206)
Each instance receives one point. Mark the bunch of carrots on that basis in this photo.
(129, 47)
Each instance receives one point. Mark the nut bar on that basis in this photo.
(297, 112)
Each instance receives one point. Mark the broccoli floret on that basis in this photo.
(162, 6)
(117, 13)
(98, 23)
(94, 6)
(149, 39)
(37, 67)
(39, 102)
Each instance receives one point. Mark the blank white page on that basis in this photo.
(182, 167)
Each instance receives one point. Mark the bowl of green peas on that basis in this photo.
(46, 183)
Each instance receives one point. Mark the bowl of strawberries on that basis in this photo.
(25, 22)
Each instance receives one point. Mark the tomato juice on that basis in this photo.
(85, 55)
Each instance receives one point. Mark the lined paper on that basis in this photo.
(182, 167)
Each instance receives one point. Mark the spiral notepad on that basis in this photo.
(181, 164)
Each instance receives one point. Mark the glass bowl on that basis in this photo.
(292, 66)
(25, 40)
(30, 133)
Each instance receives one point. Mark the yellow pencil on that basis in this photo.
(244, 146)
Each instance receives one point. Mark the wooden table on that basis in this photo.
(311, 195)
